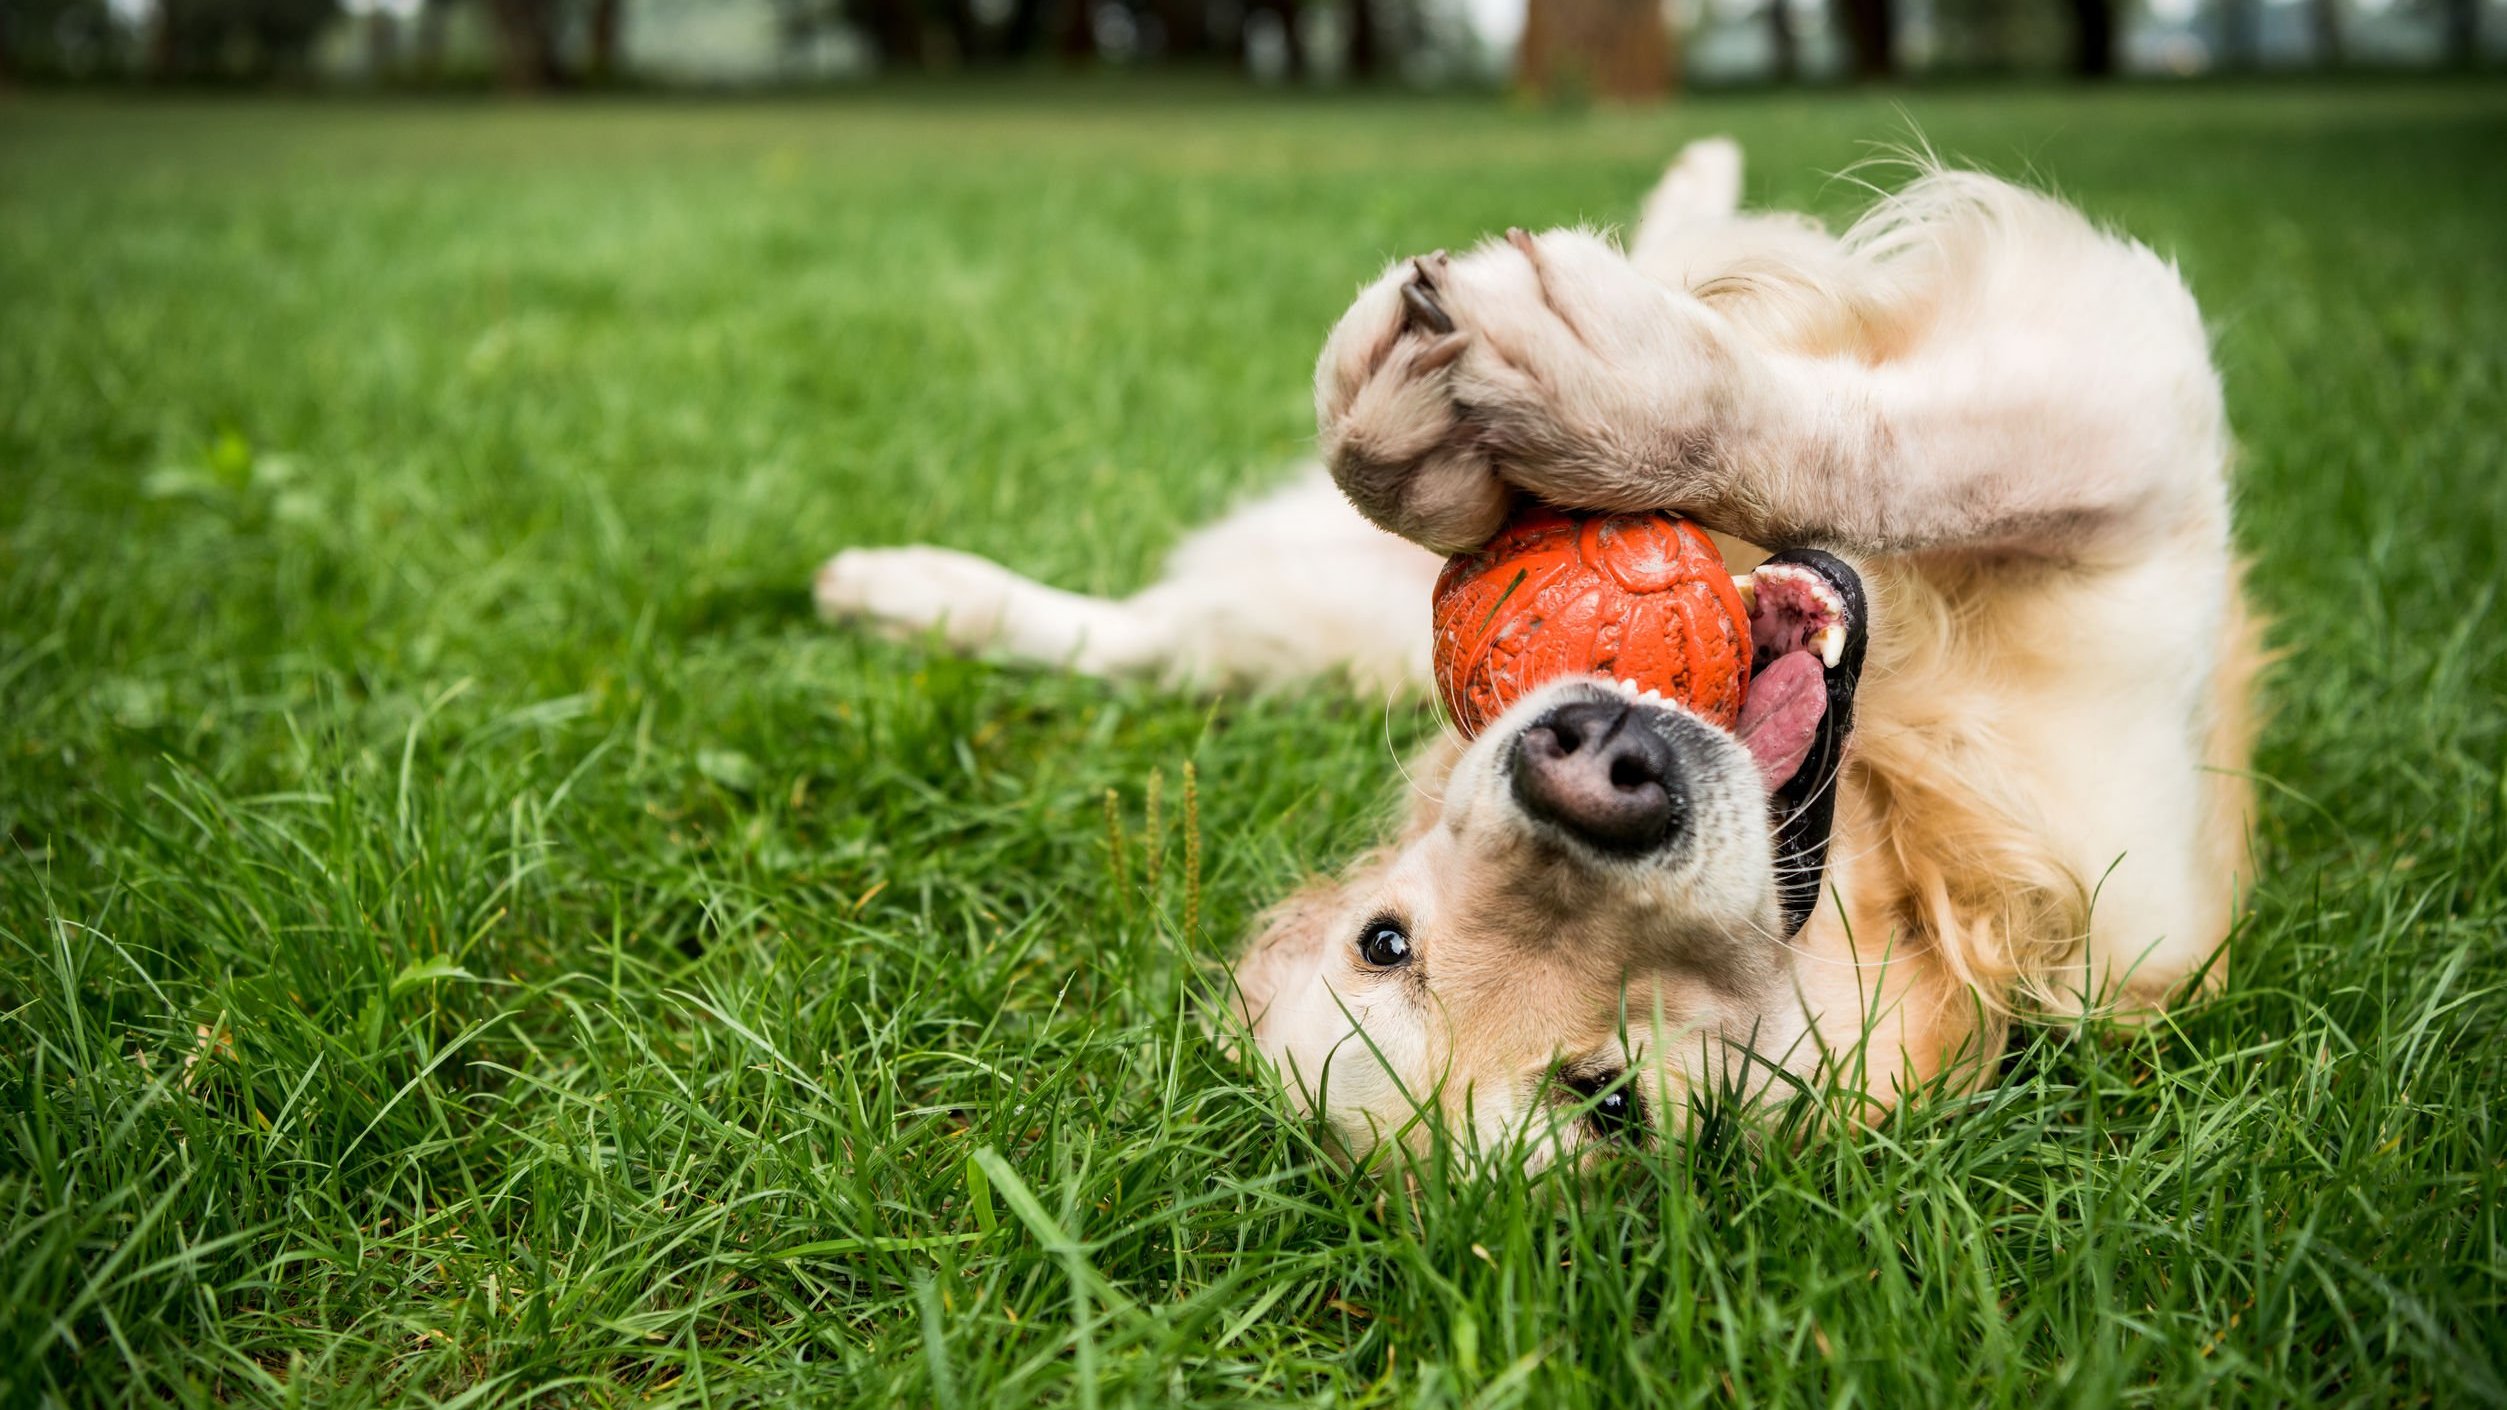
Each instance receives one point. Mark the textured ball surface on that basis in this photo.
(1637, 597)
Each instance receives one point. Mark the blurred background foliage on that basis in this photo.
(1621, 49)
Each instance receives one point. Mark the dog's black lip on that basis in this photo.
(1804, 807)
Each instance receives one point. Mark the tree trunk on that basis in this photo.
(1364, 58)
(1077, 39)
(1786, 48)
(896, 32)
(1026, 27)
(1998, 39)
(966, 36)
(1187, 24)
(1227, 36)
(526, 45)
(427, 51)
(2093, 38)
(382, 46)
(2463, 32)
(1286, 11)
(2241, 40)
(165, 51)
(1616, 49)
(2327, 15)
(609, 19)
(1871, 27)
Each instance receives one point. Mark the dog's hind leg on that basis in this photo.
(1290, 586)
(975, 604)
(1701, 188)
(1773, 271)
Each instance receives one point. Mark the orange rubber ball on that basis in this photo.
(1636, 597)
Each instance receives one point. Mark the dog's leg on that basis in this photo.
(1701, 189)
(976, 604)
(1289, 586)
(2020, 383)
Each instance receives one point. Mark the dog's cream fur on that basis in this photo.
(2006, 419)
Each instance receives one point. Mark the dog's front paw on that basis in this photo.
(1543, 363)
(905, 592)
(1396, 442)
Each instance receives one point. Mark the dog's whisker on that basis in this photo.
(1825, 785)
(1400, 765)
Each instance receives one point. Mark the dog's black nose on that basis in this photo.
(1598, 769)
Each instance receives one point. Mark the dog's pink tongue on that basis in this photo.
(1782, 716)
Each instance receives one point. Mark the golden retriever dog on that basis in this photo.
(1969, 462)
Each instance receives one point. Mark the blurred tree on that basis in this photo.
(164, 50)
(800, 26)
(1283, 14)
(532, 52)
(951, 37)
(1186, 26)
(1025, 30)
(1075, 38)
(1619, 49)
(2241, 34)
(2093, 38)
(380, 29)
(1983, 36)
(1364, 60)
(61, 39)
(1871, 29)
(2327, 15)
(528, 58)
(426, 58)
(606, 40)
(254, 40)
(939, 34)
(895, 30)
(2462, 21)
(1784, 47)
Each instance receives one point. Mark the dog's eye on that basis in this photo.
(1612, 1108)
(1383, 943)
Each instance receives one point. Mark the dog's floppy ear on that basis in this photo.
(1287, 937)
(1285, 940)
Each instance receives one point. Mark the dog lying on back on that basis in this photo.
(1988, 443)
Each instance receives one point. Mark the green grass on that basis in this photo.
(466, 932)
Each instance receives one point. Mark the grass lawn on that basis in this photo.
(465, 931)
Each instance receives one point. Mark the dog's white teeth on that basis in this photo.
(1819, 589)
(1747, 585)
(1829, 642)
(1626, 687)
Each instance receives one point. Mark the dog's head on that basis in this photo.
(1588, 908)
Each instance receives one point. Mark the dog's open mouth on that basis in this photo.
(1603, 768)
(1607, 766)
(1798, 632)
(1808, 627)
